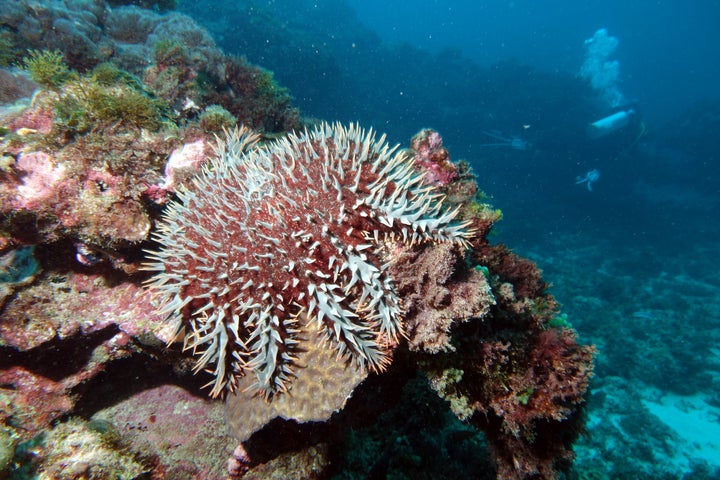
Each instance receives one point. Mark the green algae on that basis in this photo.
(47, 68)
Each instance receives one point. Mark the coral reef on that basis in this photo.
(317, 275)
(215, 119)
(513, 370)
(432, 157)
(78, 449)
(14, 85)
(478, 324)
(88, 345)
(87, 192)
(177, 59)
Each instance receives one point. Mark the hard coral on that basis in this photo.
(247, 413)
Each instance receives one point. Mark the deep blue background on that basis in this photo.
(669, 49)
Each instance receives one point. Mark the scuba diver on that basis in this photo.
(501, 140)
(613, 136)
(622, 120)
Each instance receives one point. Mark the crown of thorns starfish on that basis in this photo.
(268, 238)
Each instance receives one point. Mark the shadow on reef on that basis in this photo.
(416, 437)
(374, 396)
(393, 426)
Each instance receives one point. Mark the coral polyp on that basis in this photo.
(271, 240)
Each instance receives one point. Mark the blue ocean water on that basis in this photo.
(623, 222)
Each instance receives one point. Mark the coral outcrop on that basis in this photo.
(478, 323)
(315, 275)
(174, 56)
(433, 158)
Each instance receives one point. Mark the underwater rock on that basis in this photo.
(14, 85)
(60, 334)
(170, 425)
(178, 59)
(83, 190)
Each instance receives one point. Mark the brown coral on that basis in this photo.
(438, 291)
(320, 389)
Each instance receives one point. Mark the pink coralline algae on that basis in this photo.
(433, 158)
(184, 162)
(40, 178)
(93, 203)
(36, 119)
(270, 239)
(62, 318)
(89, 191)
